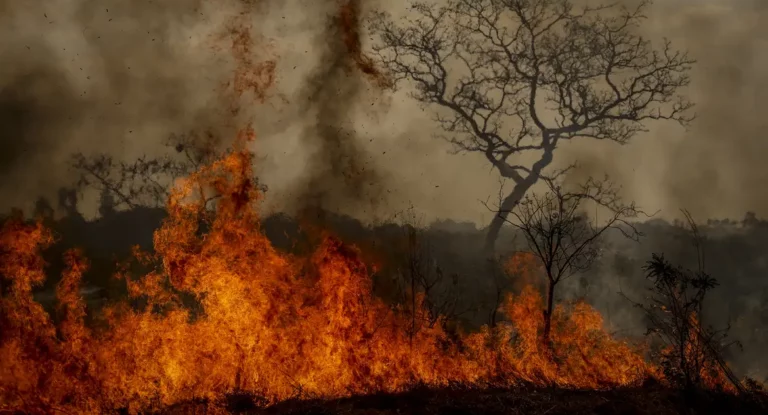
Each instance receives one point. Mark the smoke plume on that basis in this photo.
(90, 76)
(119, 77)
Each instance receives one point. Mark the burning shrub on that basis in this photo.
(692, 356)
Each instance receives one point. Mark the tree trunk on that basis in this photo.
(513, 198)
(509, 203)
(548, 313)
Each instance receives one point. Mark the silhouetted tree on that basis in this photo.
(750, 219)
(68, 202)
(147, 181)
(561, 235)
(43, 209)
(518, 77)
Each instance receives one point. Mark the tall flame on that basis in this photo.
(266, 323)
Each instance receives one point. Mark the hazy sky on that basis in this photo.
(119, 76)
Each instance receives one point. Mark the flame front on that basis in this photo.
(269, 324)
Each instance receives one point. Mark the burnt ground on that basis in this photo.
(648, 400)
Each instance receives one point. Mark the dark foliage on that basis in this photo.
(692, 351)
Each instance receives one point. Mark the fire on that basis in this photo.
(265, 323)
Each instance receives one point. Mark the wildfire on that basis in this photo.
(266, 323)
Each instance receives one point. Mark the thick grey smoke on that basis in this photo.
(120, 76)
(718, 169)
(340, 173)
(714, 168)
(90, 76)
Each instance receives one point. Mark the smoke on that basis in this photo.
(717, 170)
(120, 76)
(340, 174)
(115, 77)
(714, 168)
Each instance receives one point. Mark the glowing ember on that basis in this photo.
(271, 324)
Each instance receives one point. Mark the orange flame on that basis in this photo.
(268, 323)
(526, 270)
(697, 359)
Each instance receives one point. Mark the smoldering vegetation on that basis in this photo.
(457, 279)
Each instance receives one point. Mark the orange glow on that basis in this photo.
(526, 270)
(272, 324)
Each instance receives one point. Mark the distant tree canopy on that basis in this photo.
(518, 77)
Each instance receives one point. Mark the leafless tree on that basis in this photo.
(517, 77)
(146, 181)
(562, 237)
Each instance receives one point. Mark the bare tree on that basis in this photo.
(146, 181)
(518, 77)
(562, 237)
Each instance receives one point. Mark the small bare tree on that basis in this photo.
(519, 77)
(562, 237)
